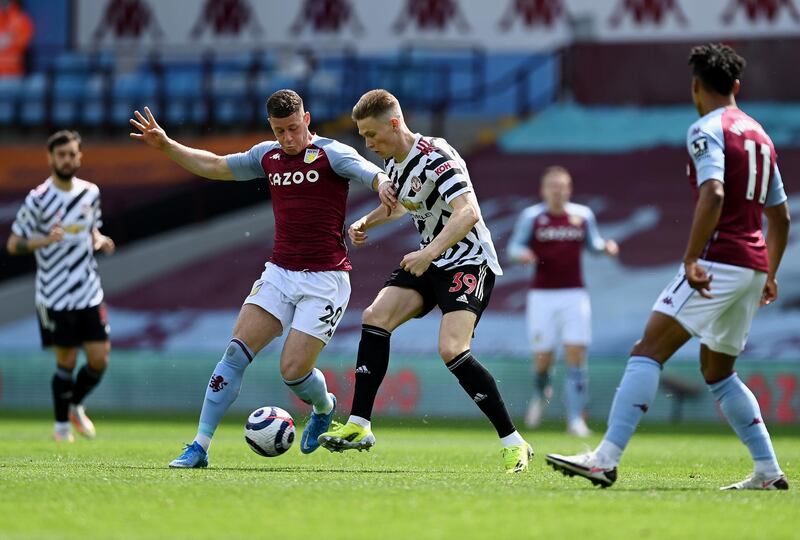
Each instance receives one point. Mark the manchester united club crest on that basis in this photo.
(311, 155)
(416, 184)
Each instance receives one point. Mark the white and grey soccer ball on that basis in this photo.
(269, 431)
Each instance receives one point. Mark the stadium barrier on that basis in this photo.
(416, 386)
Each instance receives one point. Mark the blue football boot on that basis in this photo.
(317, 425)
(193, 457)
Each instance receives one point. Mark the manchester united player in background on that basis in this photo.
(728, 270)
(305, 286)
(551, 236)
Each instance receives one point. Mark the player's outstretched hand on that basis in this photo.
(770, 293)
(358, 233)
(148, 129)
(698, 278)
(612, 248)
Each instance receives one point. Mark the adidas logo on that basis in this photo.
(462, 298)
(275, 156)
(363, 369)
(479, 397)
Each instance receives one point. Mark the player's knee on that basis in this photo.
(714, 374)
(291, 372)
(375, 317)
(448, 351)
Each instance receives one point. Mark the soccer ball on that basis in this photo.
(269, 431)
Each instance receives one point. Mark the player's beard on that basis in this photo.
(66, 173)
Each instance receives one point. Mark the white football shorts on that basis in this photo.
(722, 322)
(558, 316)
(311, 302)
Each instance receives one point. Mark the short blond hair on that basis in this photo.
(376, 103)
(555, 170)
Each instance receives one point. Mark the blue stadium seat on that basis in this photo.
(183, 84)
(132, 91)
(32, 108)
(68, 87)
(32, 113)
(10, 93)
(229, 96)
(72, 62)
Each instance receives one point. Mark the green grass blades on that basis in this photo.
(422, 480)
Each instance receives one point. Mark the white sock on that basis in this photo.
(515, 439)
(767, 468)
(203, 440)
(608, 454)
(363, 422)
(62, 427)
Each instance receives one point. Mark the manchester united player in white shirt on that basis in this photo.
(453, 269)
(728, 270)
(551, 236)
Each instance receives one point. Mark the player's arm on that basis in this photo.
(594, 241)
(517, 249)
(466, 214)
(706, 216)
(24, 238)
(707, 151)
(379, 216)
(778, 222)
(348, 163)
(200, 162)
(19, 245)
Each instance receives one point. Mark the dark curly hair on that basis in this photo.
(717, 66)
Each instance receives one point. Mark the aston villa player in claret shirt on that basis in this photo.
(305, 286)
(728, 270)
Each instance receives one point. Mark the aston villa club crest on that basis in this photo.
(416, 184)
(575, 221)
(311, 155)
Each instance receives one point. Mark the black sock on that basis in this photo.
(62, 393)
(85, 382)
(481, 387)
(542, 381)
(371, 366)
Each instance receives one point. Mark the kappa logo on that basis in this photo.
(642, 406)
(217, 383)
(275, 156)
(755, 422)
(667, 301)
(462, 298)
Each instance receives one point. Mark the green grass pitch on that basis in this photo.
(422, 480)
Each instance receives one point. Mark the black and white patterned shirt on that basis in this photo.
(426, 182)
(66, 274)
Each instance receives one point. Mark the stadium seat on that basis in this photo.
(32, 109)
(10, 92)
(132, 91)
(72, 62)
